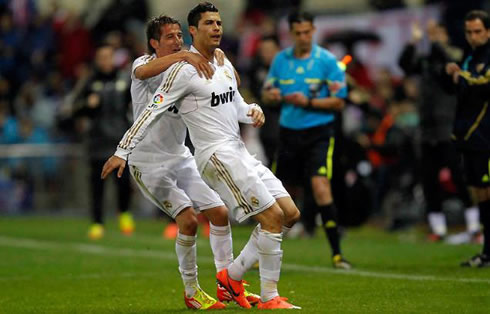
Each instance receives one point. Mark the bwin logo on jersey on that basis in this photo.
(223, 98)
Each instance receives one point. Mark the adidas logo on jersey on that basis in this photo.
(223, 98)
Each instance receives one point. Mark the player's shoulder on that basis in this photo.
(142, 60)
(228, 64)
(180, 72)
(181, 69)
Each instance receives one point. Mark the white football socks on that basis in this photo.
(221, 245)
(437, 222)
(248, 256)
(270, 259)
(185, 247)
(472, 217)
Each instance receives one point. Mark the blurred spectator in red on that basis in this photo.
(74, 43)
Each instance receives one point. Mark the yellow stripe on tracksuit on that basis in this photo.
(231, 185)
(477, 122)
(479, 80)
(329, 160)
(486, 177)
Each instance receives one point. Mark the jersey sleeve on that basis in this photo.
(139, 62)
(243, 108)
(174, 86)
(335, 74)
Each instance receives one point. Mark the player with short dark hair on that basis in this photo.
(212, 110)
(165, 170)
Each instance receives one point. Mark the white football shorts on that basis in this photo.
(245, 185)
(176, 188)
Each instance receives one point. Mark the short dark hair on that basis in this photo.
(298, 17)
(272, 38)
(154, 28)
(195, 14)
(478, 14)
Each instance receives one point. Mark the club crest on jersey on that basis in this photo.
(167, 205)
(228, 75)
(158, 99)
(255, 201)
(223, 98)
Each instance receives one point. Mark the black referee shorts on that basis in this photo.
(477, 168)
(305, 153)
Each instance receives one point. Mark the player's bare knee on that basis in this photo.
(291, 212)
(292, 217)
(322, 192)
(187, 221)
(218, 216)
(271, 219)
(189, 226)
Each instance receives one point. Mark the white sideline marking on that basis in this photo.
(110, 251)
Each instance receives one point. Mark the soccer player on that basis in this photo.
(471, 132)
(164, 168)
(212, 109)
(306, 80)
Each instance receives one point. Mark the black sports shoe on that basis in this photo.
(340, 263)
(479, 260)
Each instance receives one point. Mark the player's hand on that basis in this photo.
(200, 63)
(111, 164)
(297, 99)
(257, 115)
(220, 56)
(272, 95)
(453, 70)
(93, 101)
(335, 86)
(363, 140)
(417, 33)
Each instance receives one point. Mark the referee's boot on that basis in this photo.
(340, 263)
(477, 261)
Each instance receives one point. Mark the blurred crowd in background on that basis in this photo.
(48, 56)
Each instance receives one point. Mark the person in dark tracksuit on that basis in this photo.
(471, 134)
(437, 110)
(105, 100)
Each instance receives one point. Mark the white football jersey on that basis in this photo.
(211, 109)
(165, 140)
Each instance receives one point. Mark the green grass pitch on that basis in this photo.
(47, 265)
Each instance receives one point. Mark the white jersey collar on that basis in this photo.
(193, 49)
